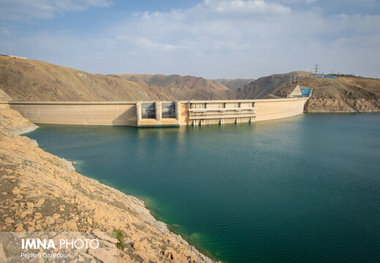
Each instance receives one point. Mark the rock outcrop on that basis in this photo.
(41, 192)
(343, 94)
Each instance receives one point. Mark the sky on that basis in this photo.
(206, 38)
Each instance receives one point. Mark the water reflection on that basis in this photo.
(304, 189)
(153, 142)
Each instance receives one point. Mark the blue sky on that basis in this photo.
(208, 38)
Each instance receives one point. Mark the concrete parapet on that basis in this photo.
(78, 113)
(200, 112)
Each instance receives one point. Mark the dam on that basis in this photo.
(163, 113)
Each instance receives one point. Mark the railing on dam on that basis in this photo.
(201, 112)
(170, 113)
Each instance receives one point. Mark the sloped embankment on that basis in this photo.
(42, 192)
(344, 94)
(33, 80)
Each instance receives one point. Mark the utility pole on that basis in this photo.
(316, 68)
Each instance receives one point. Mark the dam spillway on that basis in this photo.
(162, 113)
(201, 112)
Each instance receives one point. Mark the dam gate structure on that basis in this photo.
(220, 112)
(163, 113)
(196, 112)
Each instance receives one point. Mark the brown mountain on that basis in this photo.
(32, 80)
(232, 83)
(269, 86)
(343, 94)
(180, 87)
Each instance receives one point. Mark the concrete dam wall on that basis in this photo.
(159, 113)
(78, 113)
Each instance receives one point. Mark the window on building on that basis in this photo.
(148, 110)
(168, 110)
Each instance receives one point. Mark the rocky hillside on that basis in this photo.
(344, 94)
(180, 87)
(232, 83)
(42, 192)
(32, 80)
(269, 86)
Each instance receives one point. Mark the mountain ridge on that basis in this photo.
(181, 87)
(32, 80)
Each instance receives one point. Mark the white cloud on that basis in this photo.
(248, 38)
(358, 24)
(4, 31)
(213, 39)
(242, 7)
(42, 9)
(300, 1)
(208, 27)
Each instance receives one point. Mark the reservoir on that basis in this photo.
(305, 189)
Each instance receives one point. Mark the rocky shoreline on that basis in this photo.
(331, 105)
(42, 192)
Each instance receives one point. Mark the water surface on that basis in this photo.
(302, 190)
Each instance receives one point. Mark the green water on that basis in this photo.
(302, 190)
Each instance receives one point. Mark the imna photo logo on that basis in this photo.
(37, 243)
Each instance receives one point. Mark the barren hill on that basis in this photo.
(180, 87)
(344, 94)
(271, 85)
(232, 83)
(32, 80)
